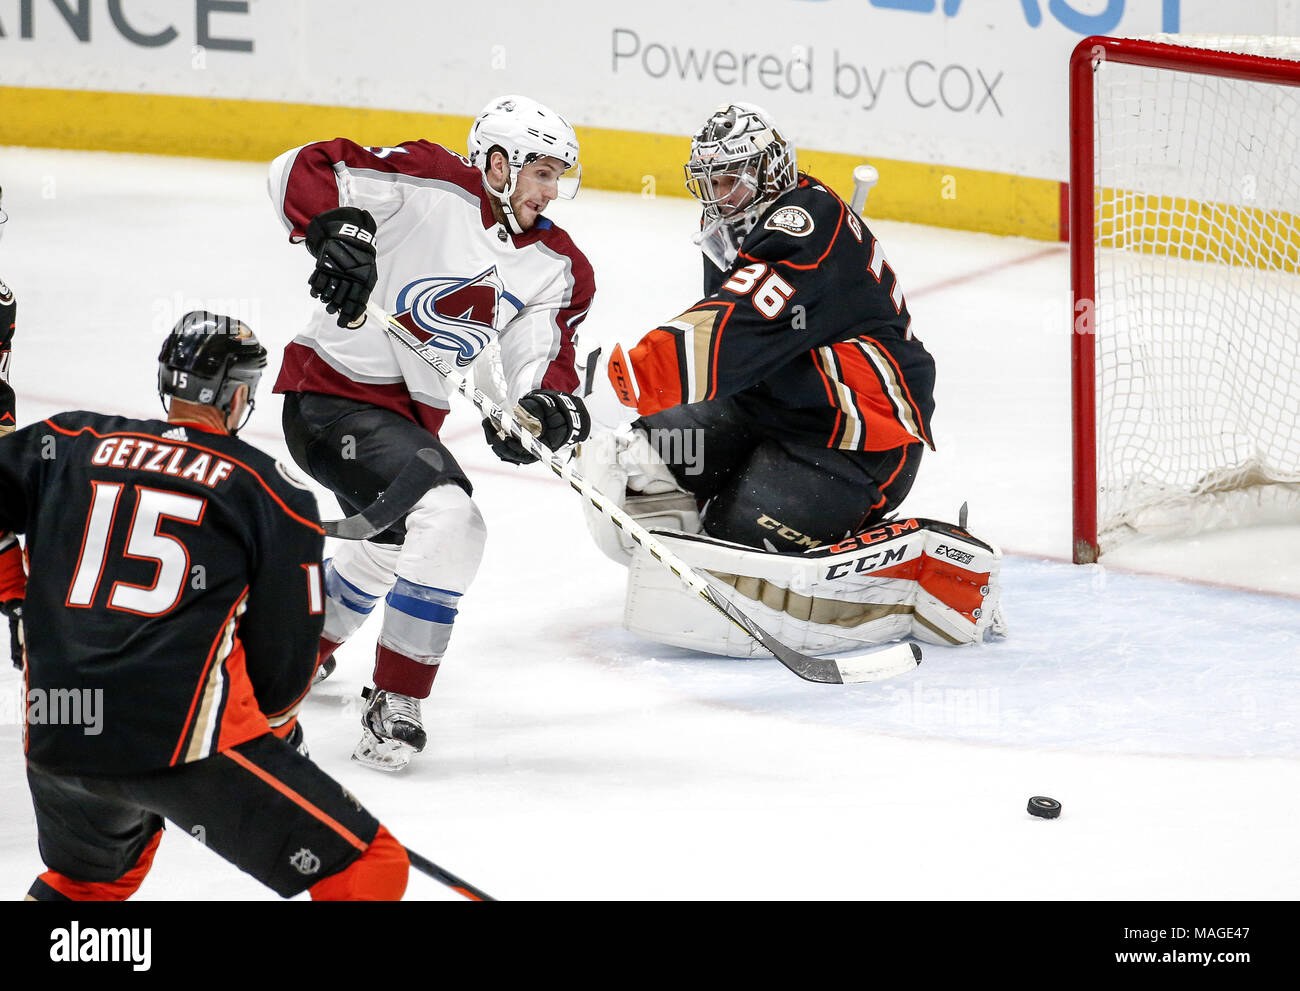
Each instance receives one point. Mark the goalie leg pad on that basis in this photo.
(958, 599)
(784, 593)
(954, 575)
(625, 467)
(909, 577)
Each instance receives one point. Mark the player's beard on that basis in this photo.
(526, 220)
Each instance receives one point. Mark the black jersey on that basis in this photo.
(8, 320)
(808, 330)
(174, 598)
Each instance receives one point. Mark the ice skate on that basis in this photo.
(391, 731)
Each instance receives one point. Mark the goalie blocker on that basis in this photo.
(910, 577)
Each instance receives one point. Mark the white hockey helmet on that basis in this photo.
(738, 147)
(4, 217)
(525, 131)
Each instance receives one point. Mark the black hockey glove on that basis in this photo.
(343, 243)
(561, 419)
(14, 610)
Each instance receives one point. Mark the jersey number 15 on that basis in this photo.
(143, 543)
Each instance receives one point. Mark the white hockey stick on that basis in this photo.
(874, 666)
(865, 178)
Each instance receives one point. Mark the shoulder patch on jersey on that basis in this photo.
(793, 220)
(290, 477)
(6, 293)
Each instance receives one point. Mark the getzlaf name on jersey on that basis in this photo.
(808, 331)
(447, 270)
(142, 536)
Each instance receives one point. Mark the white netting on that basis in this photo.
(1197, 265)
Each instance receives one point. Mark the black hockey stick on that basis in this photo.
(394, 502)
(874, 666)
(426, 866)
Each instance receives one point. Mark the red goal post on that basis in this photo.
(1184, 237)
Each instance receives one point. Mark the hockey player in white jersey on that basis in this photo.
(457, 249)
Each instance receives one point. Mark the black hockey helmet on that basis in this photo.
(206, 357)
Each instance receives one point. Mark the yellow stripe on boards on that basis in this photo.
(626, 161)
(247, 130)
(942, 196)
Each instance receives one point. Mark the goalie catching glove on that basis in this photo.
(343, 243)
(557, 419)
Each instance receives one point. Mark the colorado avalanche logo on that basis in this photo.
(454, 314)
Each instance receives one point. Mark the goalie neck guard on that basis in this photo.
(524, 131)
(740, 163)
(206, 357)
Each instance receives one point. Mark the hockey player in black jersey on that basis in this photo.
(11, 604)
(798, 368)
(172, 617)
(784, 411)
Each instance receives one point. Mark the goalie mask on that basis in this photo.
(739, 165)
(524, 131)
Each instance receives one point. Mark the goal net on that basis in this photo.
(1185, 250)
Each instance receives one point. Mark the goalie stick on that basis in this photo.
(874, 666)
(427, 867)
(394, 502)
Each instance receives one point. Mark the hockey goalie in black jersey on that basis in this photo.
(784, 413)
(172, 616)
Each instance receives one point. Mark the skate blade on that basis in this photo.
(382, 755)
(324, 671)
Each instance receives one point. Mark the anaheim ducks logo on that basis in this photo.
(791, 219)
(455, 314)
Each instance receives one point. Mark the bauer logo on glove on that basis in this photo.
(343, 243)
(556, 419)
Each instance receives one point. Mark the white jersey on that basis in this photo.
(446, 269)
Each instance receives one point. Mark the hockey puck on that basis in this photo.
(1044, 807)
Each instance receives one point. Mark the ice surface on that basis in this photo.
(568, 759)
